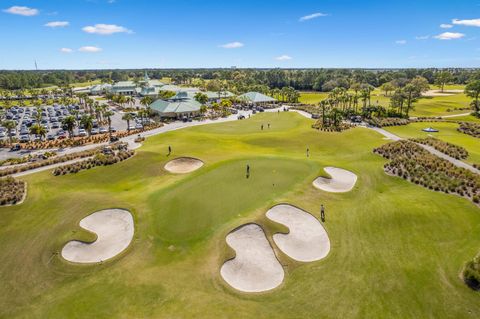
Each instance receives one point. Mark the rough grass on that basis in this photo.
(397, 248)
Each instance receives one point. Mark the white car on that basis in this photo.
(103, 130)
(82, 132)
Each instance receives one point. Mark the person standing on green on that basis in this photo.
(322, 213)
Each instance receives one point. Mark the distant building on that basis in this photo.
(124, 88)
(256, 98)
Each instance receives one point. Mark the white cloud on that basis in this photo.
(66, 50)
(90, 49)
(449, 36)
(469, 23)
(283, 58)
(106, 29)
(57, 24)
(312, 16)
(401, 42)
(446, 26)
(232, 45)
(422, 37)
(23, 11)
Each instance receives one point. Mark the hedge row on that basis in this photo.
(452, 150)
(387, 121)
(98, 160)
(413, 163)
(11, 191)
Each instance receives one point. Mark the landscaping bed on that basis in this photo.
(413, 163)
(452, 150)
(12, 191)
(98, 160)
(472, 129)
(387, 121)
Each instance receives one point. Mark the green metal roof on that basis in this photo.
(175, 106)
(255, 97)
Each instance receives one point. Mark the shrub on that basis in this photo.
(387, 121)
(471, 273)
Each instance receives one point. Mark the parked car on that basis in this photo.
(24, 138)
(139, 126)
(15, 147)
(50, 137)
(94, 131)
(82, 132)
(103, 130)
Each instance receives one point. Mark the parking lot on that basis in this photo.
(51, 117)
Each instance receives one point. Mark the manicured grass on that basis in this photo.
(447, 132)
(312, 97)
(396, 248)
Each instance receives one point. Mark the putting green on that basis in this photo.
(397, 249)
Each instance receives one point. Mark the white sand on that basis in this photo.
(433, 93)
(183, 165)
(255, 267)
(114, 229)
(307, 240)
(342, 180)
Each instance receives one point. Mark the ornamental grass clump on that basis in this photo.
(411, 162)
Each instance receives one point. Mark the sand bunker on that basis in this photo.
(114, 229)
(433, 93)
(341, 181)
(307, 240)
(255, 267)
(183, 165)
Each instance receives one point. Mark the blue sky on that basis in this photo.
(93, 34)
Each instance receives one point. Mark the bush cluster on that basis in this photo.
(26, 159)
(471, 273)
(387, 121)
(318, 125)
(469, 128)
(97, 160)
(11, 191)
(413, 163)
(53, 160)
(452, 150)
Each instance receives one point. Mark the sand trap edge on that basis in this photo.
(180, 158)
(226, 285)
(111, 259)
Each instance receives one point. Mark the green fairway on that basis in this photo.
(397, 249)
(312, 97)
(447, 132)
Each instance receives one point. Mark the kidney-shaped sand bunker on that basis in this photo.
(183, 165)
(307, 240)
(114, 229)
(255, 267)
(342, 180)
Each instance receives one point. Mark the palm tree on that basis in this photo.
(87, 122)
(108, 114)
(127, 117)
(69, 124)
(8, 125)
(37, 129)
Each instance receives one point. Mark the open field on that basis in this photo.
(396, 251)
(447, 132)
